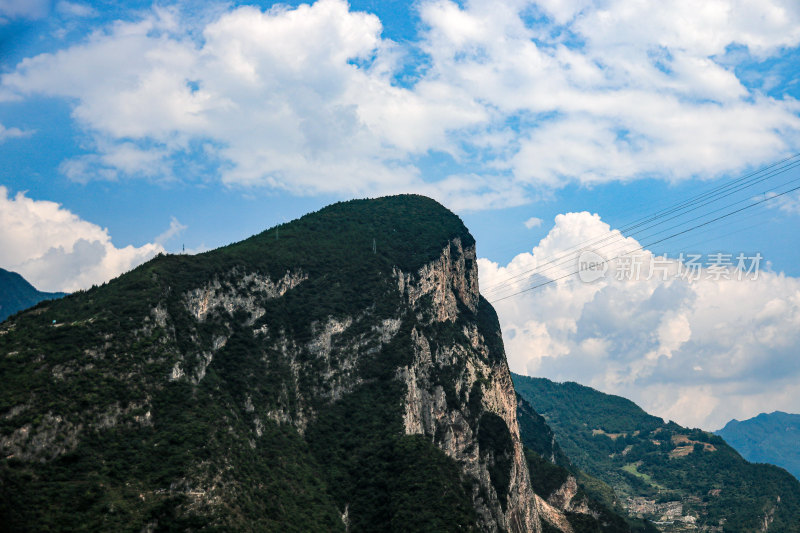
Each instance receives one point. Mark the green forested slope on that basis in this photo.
(654, 466)
(550, 469)
(121, 410)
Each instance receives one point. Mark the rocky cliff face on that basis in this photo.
(480, 382)
(458, 392)
(303, 378)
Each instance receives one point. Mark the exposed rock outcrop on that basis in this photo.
(481, 384)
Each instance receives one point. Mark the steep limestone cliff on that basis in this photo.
(482, 397)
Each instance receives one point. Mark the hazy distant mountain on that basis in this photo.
(17, 294)
(767, 438)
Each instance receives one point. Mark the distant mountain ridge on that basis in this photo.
(772, 438)
(679, 478)
(16, 294)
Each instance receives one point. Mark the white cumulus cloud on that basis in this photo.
(521, 95)
(697, 351)
(295, 99)
(56, 250)
(643, 94)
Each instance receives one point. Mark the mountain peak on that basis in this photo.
(405, 230)
(338, 371)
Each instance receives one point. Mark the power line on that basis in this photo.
(631, 224)
(700, 196)
(651, 221)
(642, 247)
(619, 236)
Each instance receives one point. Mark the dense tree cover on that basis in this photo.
(642, 456)
(137, 426)
(387, 481)
(550, 469)
(537, 436)
(117, 478)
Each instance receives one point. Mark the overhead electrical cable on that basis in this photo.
(792, 160)
(649, 244)
(677, 211)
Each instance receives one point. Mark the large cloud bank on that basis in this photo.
(697, 351)
(521, 95)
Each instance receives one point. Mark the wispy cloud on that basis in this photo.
(175, 229)
(533, 222)
(75, 9)
(13, 133)
(26, 9)
(788, 203)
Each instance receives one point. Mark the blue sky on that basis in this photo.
(129, 128)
